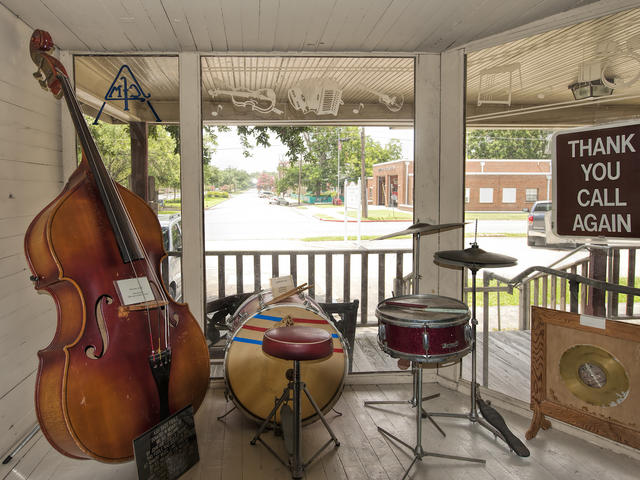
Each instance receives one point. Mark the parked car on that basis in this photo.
(540, 228)
(171, 226)
(536, 230)
(265, 194)
(282, 200)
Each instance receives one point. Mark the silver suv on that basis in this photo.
(536, 230)
(172, 239)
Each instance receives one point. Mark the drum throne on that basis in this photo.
(297, 344)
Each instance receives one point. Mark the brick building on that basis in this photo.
(391, 184)
(490, 184)
(506, 185)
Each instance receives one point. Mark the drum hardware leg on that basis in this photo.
(272, 414)
(413, 402)
(226, 413)
(297, 387)
(417, 450)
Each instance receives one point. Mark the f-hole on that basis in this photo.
(90, 350)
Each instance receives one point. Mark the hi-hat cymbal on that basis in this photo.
(473, 257)
(421, 228)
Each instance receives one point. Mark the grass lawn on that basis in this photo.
(378, 215)
(496, 215)
(175, 206)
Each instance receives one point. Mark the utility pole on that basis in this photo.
(363, 178)
(299, 176)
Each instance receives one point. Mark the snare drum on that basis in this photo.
(424, 328)
(254, 379)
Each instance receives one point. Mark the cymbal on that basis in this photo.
(473, 257)
(421, 228)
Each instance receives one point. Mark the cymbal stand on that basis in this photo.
(417, 450)
(415, 398)
(472, 416)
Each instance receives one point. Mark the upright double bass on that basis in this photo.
(124, 355)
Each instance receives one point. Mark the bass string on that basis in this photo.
(153, 273)
(88, 144)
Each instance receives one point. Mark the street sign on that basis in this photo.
(596, 181)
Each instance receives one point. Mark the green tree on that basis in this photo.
(506, 144)
(114, 145)
(211, 175)
(235, 179)
(164, 163)
(317, 148)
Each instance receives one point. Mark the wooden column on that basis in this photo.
(191, 184)
(427, 162)
(139, 158)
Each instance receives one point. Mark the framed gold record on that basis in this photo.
(585, 371)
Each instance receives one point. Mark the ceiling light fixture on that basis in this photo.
(590, 89)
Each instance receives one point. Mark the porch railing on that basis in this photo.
(334, 275)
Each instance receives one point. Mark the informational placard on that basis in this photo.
(169, 449)
(134, 290)
(596, 175)
(280, 285)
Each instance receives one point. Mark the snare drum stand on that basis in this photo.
(418, 451)
(416, 399)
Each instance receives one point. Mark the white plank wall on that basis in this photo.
(30, 176)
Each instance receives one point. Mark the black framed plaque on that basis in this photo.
(169, 449)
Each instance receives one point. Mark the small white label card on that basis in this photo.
(280, 285)
(134, 290)
(594, 322)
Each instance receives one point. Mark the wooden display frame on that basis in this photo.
(620, 423)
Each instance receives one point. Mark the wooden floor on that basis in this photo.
(364, 453)
(509, 363)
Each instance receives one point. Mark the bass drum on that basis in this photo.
(255, 380)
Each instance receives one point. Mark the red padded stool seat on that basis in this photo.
(297, 343)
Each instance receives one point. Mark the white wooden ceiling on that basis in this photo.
(280, 25)
(544, 65)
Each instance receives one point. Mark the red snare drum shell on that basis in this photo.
(424, 328)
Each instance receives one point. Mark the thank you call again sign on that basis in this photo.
(596, 174)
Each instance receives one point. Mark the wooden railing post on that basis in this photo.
(613, 277)
(381, 268)
(221, 275)
(631, 279)
(364, 289)
(256, 273)
(239, 274)
(293, 267)
(573, 292)
(523, 320)
(346, 294)
(328, 281)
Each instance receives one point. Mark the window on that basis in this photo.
(508, 195)
(467, 195)
(531, 195)
(486, 195)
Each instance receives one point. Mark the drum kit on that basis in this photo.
(423, 329)
(435, 330)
